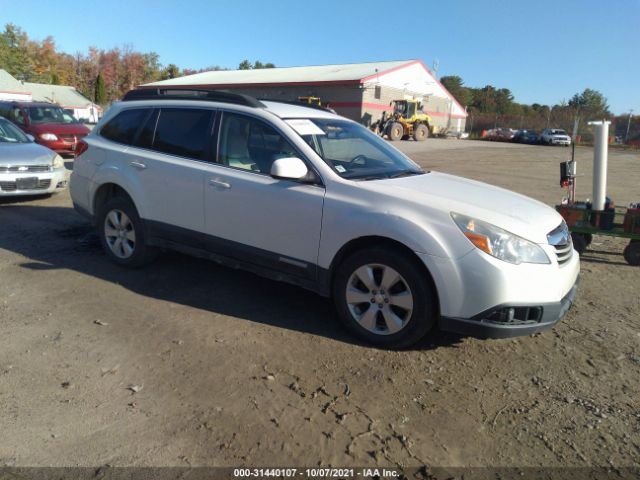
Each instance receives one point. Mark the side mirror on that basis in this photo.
(289, 168)
(31, 137)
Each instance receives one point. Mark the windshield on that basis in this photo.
(49, 114)
(558, 132)
(355, 152)
(11, 134)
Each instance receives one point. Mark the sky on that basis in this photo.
(543, 51)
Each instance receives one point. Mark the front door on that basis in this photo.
(252, 216)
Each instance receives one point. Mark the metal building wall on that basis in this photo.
(376, 99)
(346, 100)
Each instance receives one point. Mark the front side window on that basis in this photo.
(185, 132)
(356, 153)
(250, 144)
(124, 126)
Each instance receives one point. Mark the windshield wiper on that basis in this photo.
(406, 173)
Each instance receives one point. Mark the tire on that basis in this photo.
(588, 238)
(579, 242)
(632, 253)
(395, 131)
(420, 132)
(122, 234)
(383, 312)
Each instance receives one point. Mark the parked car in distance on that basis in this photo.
(525, 136)
(27, 168)
(302, 195)
(555, 136)
(49, 124)
(500, 134)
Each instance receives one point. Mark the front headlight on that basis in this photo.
(58, 162)
(498, 242)
(48, 136)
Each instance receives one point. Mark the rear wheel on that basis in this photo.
(396, 131)
(384, 298)
(420, 132)
(122, 234)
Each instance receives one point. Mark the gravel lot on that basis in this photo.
(232, 369)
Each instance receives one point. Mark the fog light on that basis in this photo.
(515, 315)
(503, 315)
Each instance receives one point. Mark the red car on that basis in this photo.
(49, 124)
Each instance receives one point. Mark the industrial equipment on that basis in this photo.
(600, 216)
(407, 120)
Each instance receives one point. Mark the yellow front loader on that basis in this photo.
(408, 120)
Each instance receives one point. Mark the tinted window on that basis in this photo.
(124, 126)
(250, 144)
(145, 137)
(5, 110)
(183, 131)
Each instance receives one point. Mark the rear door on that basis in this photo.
(168, 161)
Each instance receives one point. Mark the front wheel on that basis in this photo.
(579, 241)
(384, 298)
(395, 132)
(632, 253)
(122, 234)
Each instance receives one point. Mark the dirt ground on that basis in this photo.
(231, 369)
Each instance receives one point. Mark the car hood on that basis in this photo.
(59, 128)
(518, 214)
(25, 154)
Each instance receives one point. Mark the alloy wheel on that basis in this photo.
(119, 234)
(379, 299)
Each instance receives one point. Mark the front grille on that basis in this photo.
(71, 138)
(24, 168)
(564, 252)
(560, 238)
(11, 186)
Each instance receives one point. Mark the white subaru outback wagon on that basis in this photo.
(302, 195)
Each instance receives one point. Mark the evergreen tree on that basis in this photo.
(100, 94)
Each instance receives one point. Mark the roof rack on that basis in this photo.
(299, 103)
(191, 94)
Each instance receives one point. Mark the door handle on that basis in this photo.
(138, 165)
(216, 182)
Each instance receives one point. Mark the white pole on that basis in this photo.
(600, 157)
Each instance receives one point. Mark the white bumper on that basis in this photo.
(478, 282)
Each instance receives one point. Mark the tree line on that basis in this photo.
(491, 107)
(101, 75)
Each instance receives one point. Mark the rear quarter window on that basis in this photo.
(124, 126)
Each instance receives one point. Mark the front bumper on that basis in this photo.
(49, 182)
(560, 141)
(61, 146)
(474, 286)
(485, 328)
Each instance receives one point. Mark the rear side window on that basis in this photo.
(124, 126)
(185, 132)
